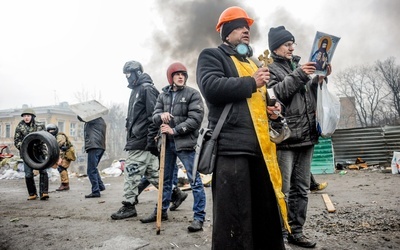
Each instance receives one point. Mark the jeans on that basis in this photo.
(30, 181)
(295, 167)
(313, 183)
(29, 171)
(93, 159)
(187, 158)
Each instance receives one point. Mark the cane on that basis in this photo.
(161, 182)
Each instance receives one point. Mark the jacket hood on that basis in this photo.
(143, 78)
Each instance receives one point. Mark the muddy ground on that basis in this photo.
(367, 216)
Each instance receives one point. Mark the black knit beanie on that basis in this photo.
(278, 36)
(228, 27)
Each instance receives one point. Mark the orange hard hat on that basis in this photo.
(233, 13)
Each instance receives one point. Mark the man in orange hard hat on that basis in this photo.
(246, 184)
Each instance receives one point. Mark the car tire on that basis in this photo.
(39, 150)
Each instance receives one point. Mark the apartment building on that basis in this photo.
(61, 115)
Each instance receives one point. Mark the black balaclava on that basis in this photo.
(241, 48)
(228, 27)
(132, 79)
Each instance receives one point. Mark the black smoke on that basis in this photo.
(190, 27)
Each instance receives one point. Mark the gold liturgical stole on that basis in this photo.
(258, 109)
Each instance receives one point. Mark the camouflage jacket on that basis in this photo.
(67, 151)
(23, 129)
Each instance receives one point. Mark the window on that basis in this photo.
(8, 130)
(81, 132)
(72, 129)
(61, 126)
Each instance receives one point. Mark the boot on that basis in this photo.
(63, 187)
(180, 197)
(126, 211)
(44, 196)
(153, 217)
(318, 187)
(32, 197)
(301, 241)
(195, 226)
(30, 185)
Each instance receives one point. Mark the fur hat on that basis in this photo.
(278, 36)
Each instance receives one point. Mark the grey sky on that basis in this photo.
(50, 50)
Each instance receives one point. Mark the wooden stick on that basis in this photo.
(161, 183)
(328, 203)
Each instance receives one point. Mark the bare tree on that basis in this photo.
(85, 95)
(364, 85)
(116, 135)
(390, 74)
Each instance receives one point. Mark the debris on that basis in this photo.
(14, 219)
(328, 203)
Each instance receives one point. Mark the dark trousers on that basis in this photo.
(313, 183)
(94, 156)
(245, 210)
(30, 181)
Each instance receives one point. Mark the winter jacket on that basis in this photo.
(95, 134)
(298, 94)
(23, 129)
(67, 150)
(220, 84)
(139, 124)
(187, 109)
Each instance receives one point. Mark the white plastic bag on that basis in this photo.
(328, 111)
(396, 163)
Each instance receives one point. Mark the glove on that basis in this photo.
(80, 118)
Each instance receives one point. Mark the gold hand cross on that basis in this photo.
(265, 59)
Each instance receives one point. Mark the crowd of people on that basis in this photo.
(256, 183)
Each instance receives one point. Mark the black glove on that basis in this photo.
(80, 118)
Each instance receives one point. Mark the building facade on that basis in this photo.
(60, 115)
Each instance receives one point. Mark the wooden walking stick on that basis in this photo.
(161, 182)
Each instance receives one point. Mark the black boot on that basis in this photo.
(195, 226)
(153, 217)
(179, 198)
(30, 185)
(44, 185)
(126, 211)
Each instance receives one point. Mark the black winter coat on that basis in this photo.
(220, 84)
(95, 134)
(139, 124)
(298, 94)
(188, 111)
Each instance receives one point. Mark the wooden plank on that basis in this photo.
(328, 203)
